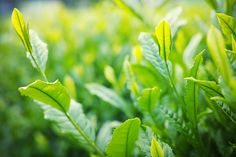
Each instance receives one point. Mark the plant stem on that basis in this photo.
(38, 68)
(100, 153)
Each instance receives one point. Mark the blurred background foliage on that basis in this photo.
(83, 38)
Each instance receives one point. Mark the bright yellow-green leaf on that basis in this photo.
(163, 35)
(52, 94)
(228, 25)
(155, 149)
(216, 46)
(21, 28)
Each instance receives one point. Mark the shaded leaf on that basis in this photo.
(191, 93)
(145, 75)
(52, 94)
(86, 134)
(124, 138)
(109, 96)
(105, 134)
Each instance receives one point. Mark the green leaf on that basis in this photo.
(210, 87)
(110, 75)
(39, 52)
(149, 98)
(125, 6)
(105, 134)
(216, 47)
(145, 139)
(53, 94)
(69, 123)
(21, 28)
(150, 51)
(146, 76)
(124, 138)
(70, 86)
(109, 96)
(155, 149)
(191, 48)
(228, 25)
(225, 108)
(163, 35)
(191, 93)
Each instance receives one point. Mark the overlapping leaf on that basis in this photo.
(124, 138)
(150, 51)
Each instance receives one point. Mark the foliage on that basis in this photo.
(172, 100)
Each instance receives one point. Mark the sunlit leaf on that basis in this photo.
(216, 47)
(155, 149)
(52, 94)
(163, 35)
(228, 25)
(21, 28)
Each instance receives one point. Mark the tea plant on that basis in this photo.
(194, 116)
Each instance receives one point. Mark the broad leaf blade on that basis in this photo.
(65, 125)
(228, 25)
(53, 94)
(216, 47)
(163, 35)
(151, 53)
(149, 98)
(155, 149)
(124, 138)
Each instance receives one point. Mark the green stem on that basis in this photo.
(38, 68)
(172, 83)
(100, 153)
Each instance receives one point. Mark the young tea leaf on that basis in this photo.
(150, 51)
(148, 99)
(227, 24)
(210, 87)
(155, 149)
(124, 138)
(21, 28)
(163, 35)
(216, 47)
(52, 94)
